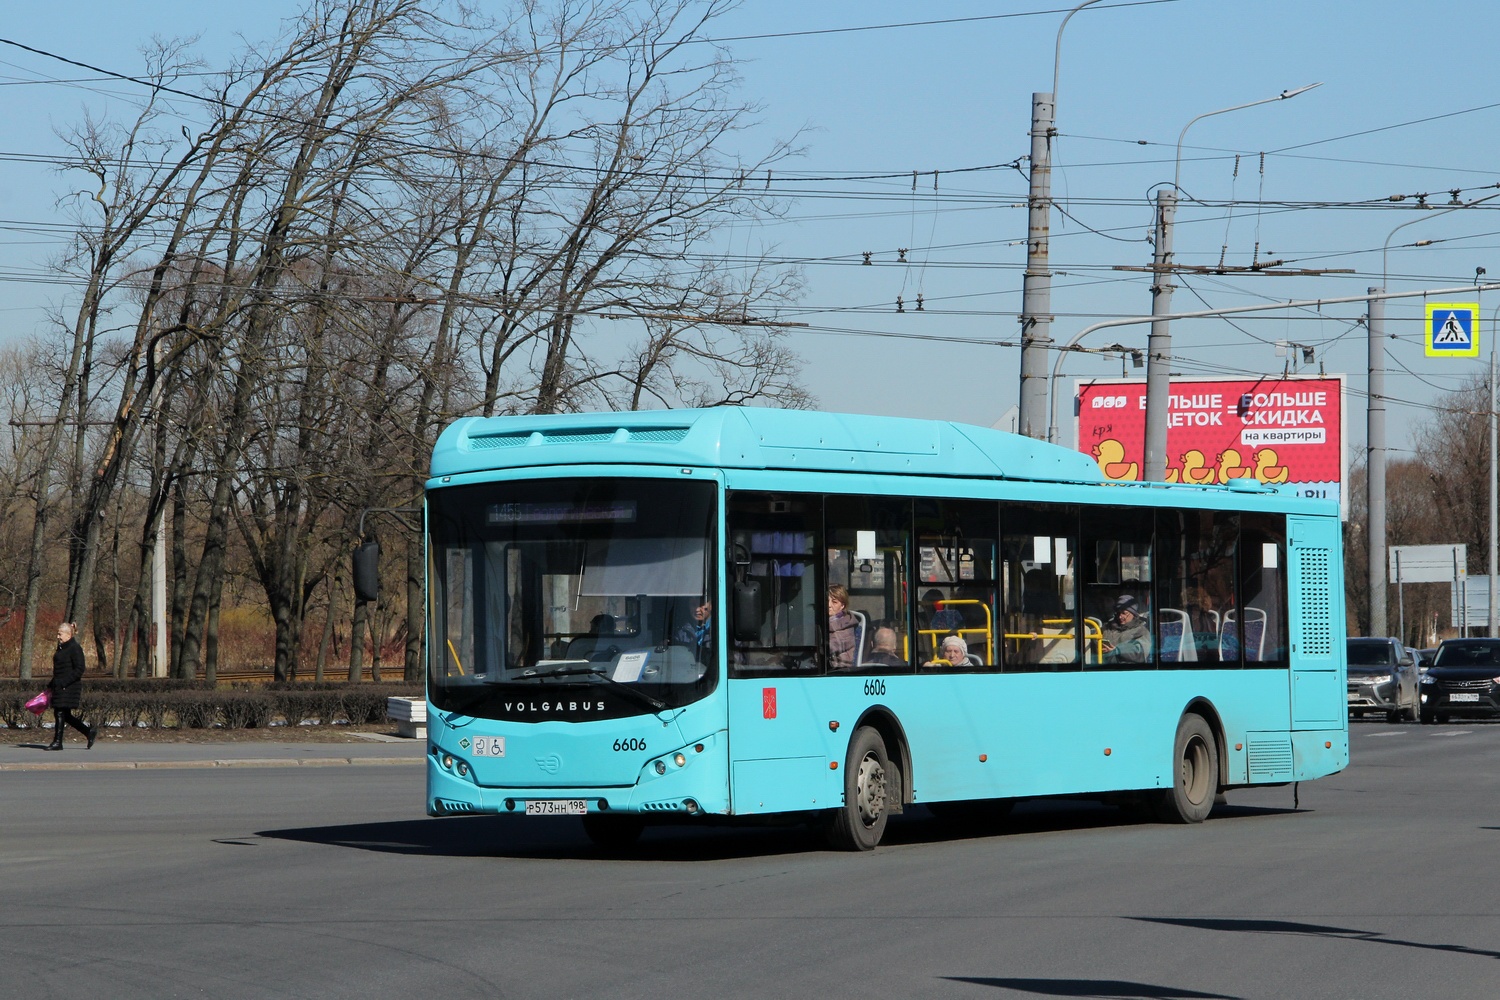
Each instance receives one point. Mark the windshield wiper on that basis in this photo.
(635, 693)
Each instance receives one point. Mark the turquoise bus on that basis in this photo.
(698, 615)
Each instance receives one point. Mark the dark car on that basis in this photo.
(1464, 679)
(1382, 678)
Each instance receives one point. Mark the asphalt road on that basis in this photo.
(328, 882)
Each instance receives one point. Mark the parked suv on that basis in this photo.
(1464, 679)
(1382, 678)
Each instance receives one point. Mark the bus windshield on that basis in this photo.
(589, 593)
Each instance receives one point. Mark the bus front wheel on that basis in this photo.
(859, 825)
(1195, 773)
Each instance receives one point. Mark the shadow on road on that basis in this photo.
(548, 838)
(1104, 989)
(1312, 930)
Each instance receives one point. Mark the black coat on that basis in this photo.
(66, 684)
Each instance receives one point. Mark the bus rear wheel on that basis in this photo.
(1195, 777)
(613, 832)
(860, 824)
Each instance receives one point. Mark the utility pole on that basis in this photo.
(1159, 343)
(1494, 491)
(1036, 284)
(1375, 463)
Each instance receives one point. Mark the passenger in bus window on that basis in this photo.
(887, 651)
(935, 617)
(843, 629)
(1126, 637)
(955, 653)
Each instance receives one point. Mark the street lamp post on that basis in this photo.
(1036, 284)
(1375, 443)
(1159, 344)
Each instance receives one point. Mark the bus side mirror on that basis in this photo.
(367, 571)
(747, 611)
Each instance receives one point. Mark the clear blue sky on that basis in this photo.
(1410, 104)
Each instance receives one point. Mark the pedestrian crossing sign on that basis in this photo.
(1452, 330)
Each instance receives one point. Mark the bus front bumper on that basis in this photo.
(697, 786)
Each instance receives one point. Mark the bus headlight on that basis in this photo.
(661, 767)
(463, 769)
(448, 761)
(679, 760)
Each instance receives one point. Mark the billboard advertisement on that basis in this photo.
(1282, 430)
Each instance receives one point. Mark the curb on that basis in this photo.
(173, 765)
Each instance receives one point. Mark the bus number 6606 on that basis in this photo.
(631, 744)
(875, 688)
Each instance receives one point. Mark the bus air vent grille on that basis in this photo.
(449, 806)
(1270, 758)
(671, 806)
(594, 435)
(1317, 603)
(485, 442)
(658, 435)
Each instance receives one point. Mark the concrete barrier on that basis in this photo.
(409, 715)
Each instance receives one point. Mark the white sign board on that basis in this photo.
(1428, 563)
(1476, 598)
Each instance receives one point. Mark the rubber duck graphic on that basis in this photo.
(1231, 466)
(1193, 469)
(1266, 469)
(1111, 456)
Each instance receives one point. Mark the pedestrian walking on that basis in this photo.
(66, 687)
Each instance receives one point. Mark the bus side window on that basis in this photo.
(868, 551)
(773, 541)
(1039, 547)
(1196, 619)
(1117, 595)
(1263, 586)
(956, 582)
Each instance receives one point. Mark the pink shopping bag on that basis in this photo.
(38, 705)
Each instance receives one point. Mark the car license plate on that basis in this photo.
(556, 807)
(1463, 697)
